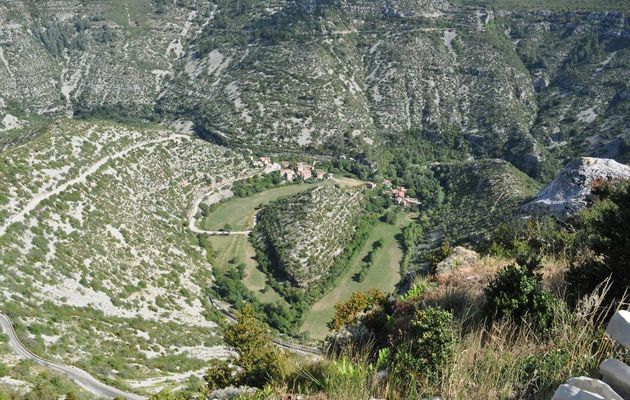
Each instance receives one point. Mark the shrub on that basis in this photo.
(428, 345)
(349, 312)
(257, 356)
(220, 375)
(607, 225)
(517, 293)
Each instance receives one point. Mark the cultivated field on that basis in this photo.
(238, 248)
(383, 274)
(239, 212)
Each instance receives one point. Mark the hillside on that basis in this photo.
(124, 125)
(98, 266)
(479, 195)
(530, 86)
(304, 233)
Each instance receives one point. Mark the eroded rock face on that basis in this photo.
(460, 256)
(572, 189)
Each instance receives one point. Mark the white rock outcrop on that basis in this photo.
(458, 257)
(568, 392)
(619, 328)
(617, 374)
(594, 386)
(572, 189)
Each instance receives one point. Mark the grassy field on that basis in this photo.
(239, 212)
(240, 249)
(344, 181)
(383, 274)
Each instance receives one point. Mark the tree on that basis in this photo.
(257, 356)
(391, 217)
(607, 226)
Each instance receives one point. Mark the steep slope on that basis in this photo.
(572, 189)
(532, 87)
(304, 233)
(479, 195)
(98, 266)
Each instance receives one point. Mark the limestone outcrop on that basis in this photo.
(572, 189)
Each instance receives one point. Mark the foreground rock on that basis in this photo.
(615, 383)
(458, 257)
(568, 392)
(617, 374)
(572, 189)
(619, 328)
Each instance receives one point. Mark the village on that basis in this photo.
(304, 171)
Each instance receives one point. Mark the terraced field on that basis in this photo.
(383, 274)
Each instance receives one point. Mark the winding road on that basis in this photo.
(82, 378)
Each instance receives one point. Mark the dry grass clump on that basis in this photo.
(497, 361)
(461, 290)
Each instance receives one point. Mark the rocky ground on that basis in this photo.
(95, 248)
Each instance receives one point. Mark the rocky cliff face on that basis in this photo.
(330, 76)
(571, 190)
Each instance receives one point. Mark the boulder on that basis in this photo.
(458, 257)
(232, 392)
(619, 328)
(617, 375)
(594, 386)
(568, 392)
(572, 189)
(347, 336)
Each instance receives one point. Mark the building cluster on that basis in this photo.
(399, 194)
(300, 170)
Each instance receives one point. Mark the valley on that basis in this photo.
(191, 190)
(383, 274)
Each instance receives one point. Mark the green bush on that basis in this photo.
(220, 375)
(258, 358)
(427, 346)
(607, 226)
(517, 293)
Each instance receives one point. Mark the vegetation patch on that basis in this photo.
(303, 234)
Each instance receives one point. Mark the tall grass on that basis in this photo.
(489, 362)
(500, 361)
